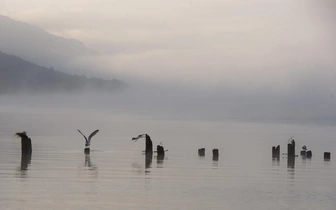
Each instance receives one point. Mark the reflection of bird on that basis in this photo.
(304, 147)
(88, 140)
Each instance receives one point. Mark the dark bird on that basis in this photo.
(149, 143)
(138, 137)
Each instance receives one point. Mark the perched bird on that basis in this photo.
(304, 147)
(88, 140)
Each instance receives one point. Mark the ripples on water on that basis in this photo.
(117, 176)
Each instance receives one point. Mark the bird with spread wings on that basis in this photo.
(88, 140)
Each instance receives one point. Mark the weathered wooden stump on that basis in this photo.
(215, 152)
(149, 145)
(276, 152)
(303, 153)
(291, 153)
(87, 151)
(26, 145)
(309, 154)
(201, 152)
(148, 160)
(327, 156)
(291, 149)
(160, 152)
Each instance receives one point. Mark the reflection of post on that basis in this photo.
(25, 161)
(87, 161)
(148, 161)
(291, 162)
(90, 166)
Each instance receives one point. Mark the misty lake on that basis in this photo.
(115, 175)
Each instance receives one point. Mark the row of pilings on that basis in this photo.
(215, 153)
(291, 152)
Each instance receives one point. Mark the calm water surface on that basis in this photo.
(116, 176)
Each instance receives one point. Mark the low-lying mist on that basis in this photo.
(177, 103)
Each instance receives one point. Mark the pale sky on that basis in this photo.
(257, 44)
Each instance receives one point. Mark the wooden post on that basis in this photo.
(87, 151)
(215, 154)
(276, 152)
(149, 145)
(291, 154)
(303, 153)
(201, 152)
(291, 149)
(160, 152)
(26, 145)
(327, 156)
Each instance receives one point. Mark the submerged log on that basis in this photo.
(327, 156)
(276, 152)
(201, 152)
(26, 145)
(148, 160)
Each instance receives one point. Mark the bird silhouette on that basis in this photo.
(88, 140)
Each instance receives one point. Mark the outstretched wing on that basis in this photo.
(82, 135)
(88, 142)
(138, 137)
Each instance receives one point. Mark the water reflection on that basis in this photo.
(275, 162)
(215, 158)
(290, 162)
(148, 161)
(25, 163)
(91, 166)
(159, 161)
(291, 167)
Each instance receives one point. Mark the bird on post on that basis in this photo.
(88, 140)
